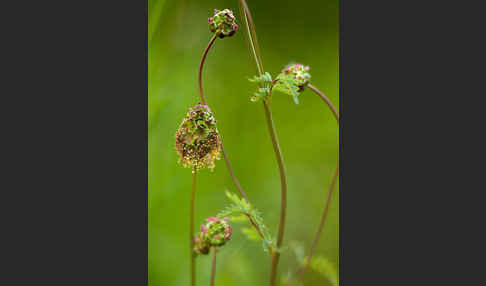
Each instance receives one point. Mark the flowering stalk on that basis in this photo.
(191, 229)
(255, 50)
(198, 145)
(223, 24)
(213, 267)
(214, 234)
(293, 79)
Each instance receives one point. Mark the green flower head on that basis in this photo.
(223, 23)
(298, 73)
(197, 139)
(215, 233)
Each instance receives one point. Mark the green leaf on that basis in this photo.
(242, 207)
(287, 85)
(263, 91)
(233, 197)
(264, 78)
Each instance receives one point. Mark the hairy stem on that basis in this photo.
(255, 51)
(329, 194)
(213, 267)
(191, 229)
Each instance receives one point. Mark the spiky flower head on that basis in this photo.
(223, 23)
(299, 74)
(197, 139)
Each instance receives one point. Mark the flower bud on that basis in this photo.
(216, 232)
(299, 74)
(223, 23)
(197, 139)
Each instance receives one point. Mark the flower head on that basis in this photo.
(214, 233)
(223, 23)
(197, 139)
(299, 74)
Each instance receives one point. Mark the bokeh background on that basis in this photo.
(303, 31)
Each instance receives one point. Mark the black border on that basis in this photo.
(76, 161)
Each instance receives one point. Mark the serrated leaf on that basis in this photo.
(286, 85)
(264, 78)
(233, 197)
(242, 207)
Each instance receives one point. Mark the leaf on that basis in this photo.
(264, 78)
(233, 197)
(264, 82)
(242, 207)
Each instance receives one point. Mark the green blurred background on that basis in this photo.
(304, 31)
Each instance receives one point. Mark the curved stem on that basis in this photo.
(225, 156)
(329, 194)
(201, 92)
(201, 64)
(255, 49)
(213, 267)
(191, 228)
(283, 183)
(326, 100)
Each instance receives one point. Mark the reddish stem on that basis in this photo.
(330, 192)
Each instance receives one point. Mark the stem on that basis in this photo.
(328, 102)
(191, 228)
(205, 53)
(201, 92)
(233, 176)
(321, 225)
(255, 226)
(272, 85)
(213, 268)
(226, 159)
(252, 38)
(329, 195)
(283, 183)
(255, 49)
